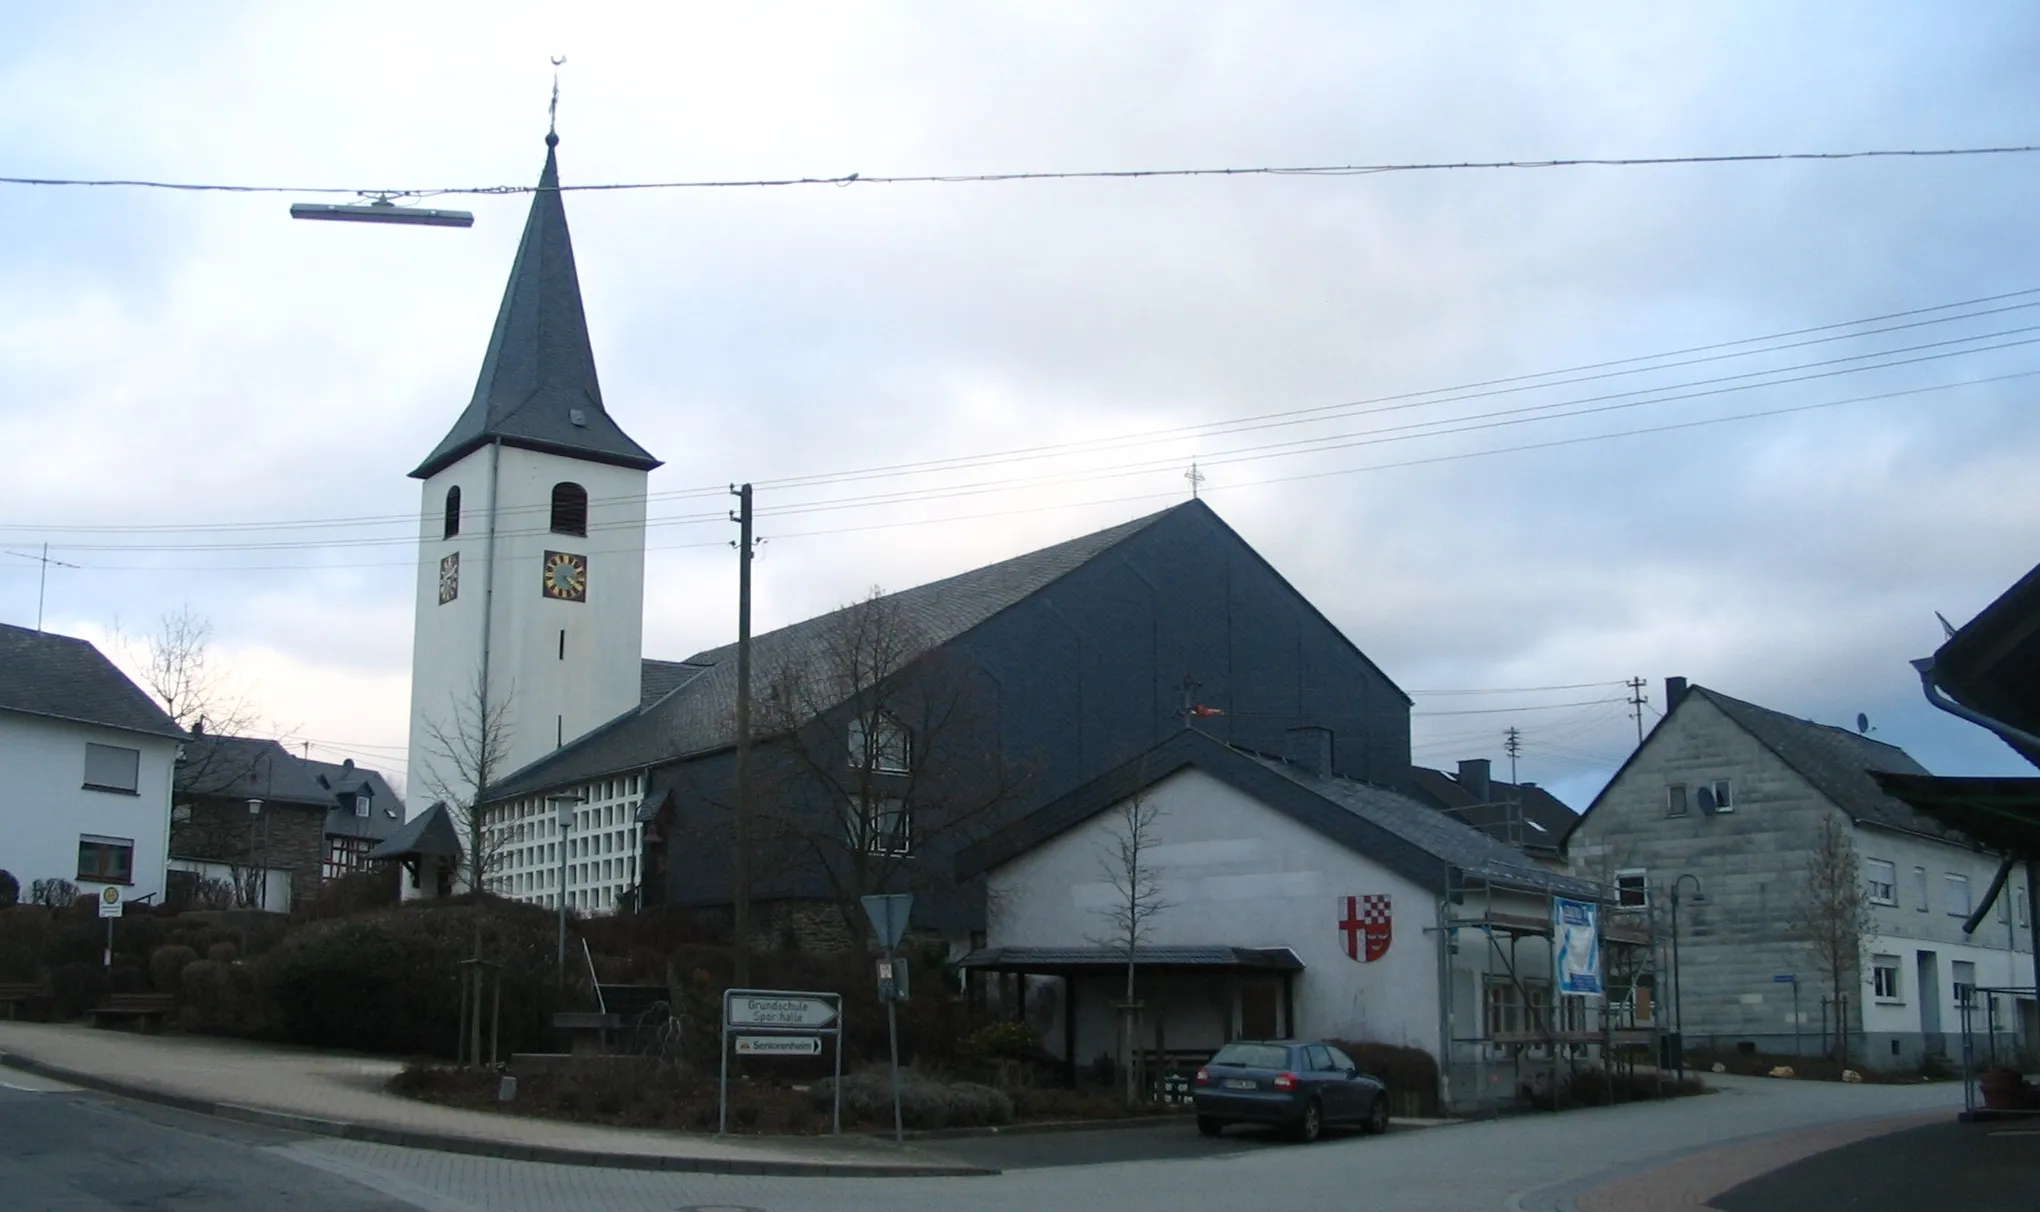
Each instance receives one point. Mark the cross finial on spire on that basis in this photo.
(1195, 477)
(552, 112)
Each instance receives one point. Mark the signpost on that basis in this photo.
(888, 916)
(1792, 979)
(780, 1022)
(110, 908)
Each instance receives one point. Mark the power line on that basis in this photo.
(1521, 689)
(1512, 710)
(1131, 174)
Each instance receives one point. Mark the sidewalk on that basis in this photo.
(338, 1095)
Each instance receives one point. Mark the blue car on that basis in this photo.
(1304, 1087)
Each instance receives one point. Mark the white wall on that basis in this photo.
(551, 699)
(44, 806)
(1237, 874)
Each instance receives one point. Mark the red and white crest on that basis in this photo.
(1366, 926)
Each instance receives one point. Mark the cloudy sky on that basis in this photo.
(1380, 375)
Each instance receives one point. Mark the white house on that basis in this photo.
(1297, 904)
(86, 762)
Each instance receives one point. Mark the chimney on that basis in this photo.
(1473, 778)
(348, 765)
(1310, 749)
(1675, 691)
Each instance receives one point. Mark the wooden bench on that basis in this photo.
(146, 1010)
(29, 1001)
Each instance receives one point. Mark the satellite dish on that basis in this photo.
(1863, 723)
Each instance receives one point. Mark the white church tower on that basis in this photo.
(531, 563)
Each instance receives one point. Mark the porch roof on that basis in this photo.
(1053, 960)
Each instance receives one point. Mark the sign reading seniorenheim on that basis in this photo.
(766, 1010)
(1576, 952)
(109, 902)
(779, 1045)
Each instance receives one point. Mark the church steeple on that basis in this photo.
(538, 388)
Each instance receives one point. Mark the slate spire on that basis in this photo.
(538, 388)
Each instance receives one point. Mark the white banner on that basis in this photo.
(1576, 946)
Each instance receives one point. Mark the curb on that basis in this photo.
(476, 1147)
(1042, 1126)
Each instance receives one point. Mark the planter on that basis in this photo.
(2003, 1089)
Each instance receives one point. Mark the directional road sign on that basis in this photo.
(779, 1045)
(780, 1010)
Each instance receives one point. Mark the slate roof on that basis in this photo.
(247, 768)
(1837, 761)
(1408, 837)
(430, 833)
(699, 715)
(64, 678)
(386, 808)
(1992, 665)
(1544, 821)
(657, 679)
(1046, 959)
(540, 367)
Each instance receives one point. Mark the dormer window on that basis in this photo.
(364, 802)
(569, 509)
(452, 512)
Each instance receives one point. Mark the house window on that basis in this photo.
(883, 827)
(1724, 797)
(364, 802)
(106, 860)
(1884, 977)
(880, 744)
(1958, 895)
(1882, 878)
(569, 508)
(2022, 906)
(1632, 889)
(345, 855)
(452, 527)
(1675, 800)
(112, 768)
(1962, 975)
(1503, 1014)
(1920, 888)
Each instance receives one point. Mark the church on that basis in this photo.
(967, 740)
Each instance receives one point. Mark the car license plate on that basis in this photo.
(1238, 1083)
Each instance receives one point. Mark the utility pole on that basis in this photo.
(1637, 700)
(1512, 744)
(1195, 477)
(42, 583)
(740, 914)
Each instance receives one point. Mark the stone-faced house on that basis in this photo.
(1290, 902)
(1735, 796)
(1023, 680)
(269, 825)
(85, 768)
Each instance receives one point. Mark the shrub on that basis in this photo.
(1003, 1040)
(26, 925)
(223, 953)
(126, 978)
(924, 1102)
(220, 998)
(355, 893)
(166, 967)
(78, 986)
(10, 889)
(1411, 1074)
(17, 963)
(333, 989)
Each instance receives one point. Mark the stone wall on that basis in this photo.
(283, 837)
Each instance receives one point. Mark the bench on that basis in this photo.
(27, 1001)
(146, 1010)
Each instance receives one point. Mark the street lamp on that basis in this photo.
(1678, 979)
(382, 209)
(563, 809)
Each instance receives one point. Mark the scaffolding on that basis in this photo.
(1622, 1023)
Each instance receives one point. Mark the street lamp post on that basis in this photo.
(563, 810)
(1678, 977)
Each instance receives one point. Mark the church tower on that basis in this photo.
(531, 544)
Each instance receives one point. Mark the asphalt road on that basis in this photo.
(65, 1150)
(1989, 1167)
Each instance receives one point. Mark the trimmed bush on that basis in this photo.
(223, 953)
(10, 889)
(126, 978)
(166, 967)
(1411, 1074)
(78, 987)
(17, 963)
(25, 924)
(924, 1102)
(220, 999)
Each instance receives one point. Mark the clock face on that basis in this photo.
(565, 576)
(449, 578)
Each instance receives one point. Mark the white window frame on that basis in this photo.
(1884, 977)
(1882, 891)
(881, 744)
(1964, 991)
(1920, 886)
(1642, 878)
(1677, 801)
(882, 826)
(1724, 795)
(1949, 883)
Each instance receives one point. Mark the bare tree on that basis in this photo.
(1833, 917)
(877, 762)
(1127, 861)
(467, 750)
(175, 663)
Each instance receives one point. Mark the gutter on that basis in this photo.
(1940, 699)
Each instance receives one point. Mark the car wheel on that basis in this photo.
(1210, 1125)
(1312, 1125)
(1377, 1116)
